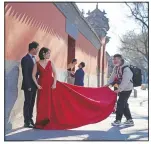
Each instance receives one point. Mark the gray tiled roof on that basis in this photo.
(72, 13)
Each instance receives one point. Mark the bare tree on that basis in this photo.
(134, 46)
(139, 11)
(137, 44)
(131, 55)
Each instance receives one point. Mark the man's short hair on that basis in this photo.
(82, 64)
(33, 45)
(118, 55)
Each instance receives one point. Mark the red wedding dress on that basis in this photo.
(69, 106)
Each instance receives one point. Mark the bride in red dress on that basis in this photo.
(45, 84)
(65, 106)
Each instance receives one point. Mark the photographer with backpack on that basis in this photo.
(126, 77)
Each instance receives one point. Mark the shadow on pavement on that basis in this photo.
(112, 134)
(115, 134)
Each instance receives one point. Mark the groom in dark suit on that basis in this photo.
(28, 84)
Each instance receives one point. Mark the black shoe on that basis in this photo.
(28, 125)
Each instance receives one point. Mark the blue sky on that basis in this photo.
(119, 21)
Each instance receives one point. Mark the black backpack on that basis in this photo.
(137, 75)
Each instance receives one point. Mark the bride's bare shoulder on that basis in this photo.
(51, 62)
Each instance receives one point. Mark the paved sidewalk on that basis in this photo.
(99, 131)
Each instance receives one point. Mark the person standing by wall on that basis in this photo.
(70, 71)
(79, 75)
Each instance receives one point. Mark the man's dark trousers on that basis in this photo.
(28, 105)
(123, 106)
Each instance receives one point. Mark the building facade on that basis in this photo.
(100, 24)
(58, 26)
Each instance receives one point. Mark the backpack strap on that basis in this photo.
(123, 70)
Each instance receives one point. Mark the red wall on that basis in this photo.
(87, 53)
(44, 23)
(41, 22)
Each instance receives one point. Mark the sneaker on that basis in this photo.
(26, 125)
(129, 122)
(116, 123)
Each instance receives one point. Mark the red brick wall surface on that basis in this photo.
(41, 22)
(44, 23)
(87, 53)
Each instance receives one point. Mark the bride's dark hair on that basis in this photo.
(42, 52)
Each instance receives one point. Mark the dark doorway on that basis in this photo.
(71, 49)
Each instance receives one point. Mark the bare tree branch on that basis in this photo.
(135, 42)
(136, 13)
(134, 46)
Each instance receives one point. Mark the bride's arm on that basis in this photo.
(54, 73)
(34, 76)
